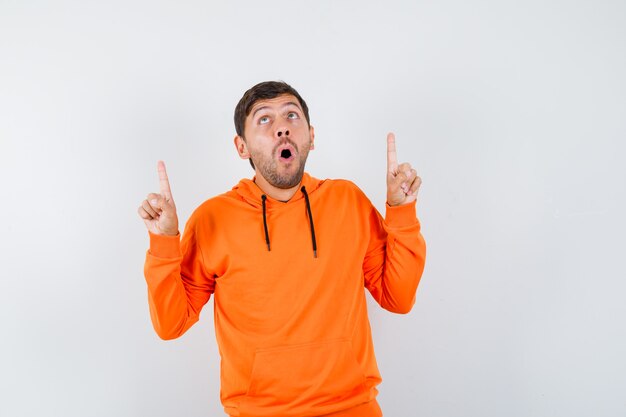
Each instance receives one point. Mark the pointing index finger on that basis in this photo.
(392, 157)
(164, 181)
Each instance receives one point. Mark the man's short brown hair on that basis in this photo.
(264, 91)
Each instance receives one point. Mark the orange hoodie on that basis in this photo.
(291, 322)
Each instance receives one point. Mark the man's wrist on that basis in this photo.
(402, 215)
(165, 246)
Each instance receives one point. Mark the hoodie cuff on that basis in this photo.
(401, 216)
(163, 246)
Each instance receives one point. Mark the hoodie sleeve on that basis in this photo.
(178, 283)
(395, 257)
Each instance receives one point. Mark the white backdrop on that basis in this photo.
(513, 113)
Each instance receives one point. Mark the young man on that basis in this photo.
(287, 257)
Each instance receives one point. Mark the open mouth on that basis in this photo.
(286, 153)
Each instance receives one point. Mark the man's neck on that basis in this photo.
(280, 194)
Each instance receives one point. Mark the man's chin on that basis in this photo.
(282, 175)
(286, 183)
(286, 180)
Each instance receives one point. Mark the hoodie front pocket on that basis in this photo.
(294, 380)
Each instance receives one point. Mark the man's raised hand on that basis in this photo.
(402, 180)
(158, 211)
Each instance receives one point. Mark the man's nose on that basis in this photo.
(282, 132)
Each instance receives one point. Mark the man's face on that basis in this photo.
(277, 139)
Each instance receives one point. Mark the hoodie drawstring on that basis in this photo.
(267, 235)
(308, 210)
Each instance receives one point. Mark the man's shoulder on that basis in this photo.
(345, 189)
(219, 203)
(342, 184)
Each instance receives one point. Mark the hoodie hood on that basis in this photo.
(248, 191)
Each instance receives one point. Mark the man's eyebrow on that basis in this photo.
(259, 109)
(289, 103)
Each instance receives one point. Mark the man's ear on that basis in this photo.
(312, 133)
(242, 147)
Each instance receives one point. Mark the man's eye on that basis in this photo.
(292, 115)
(263, 120)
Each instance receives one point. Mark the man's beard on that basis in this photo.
(268, 167)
